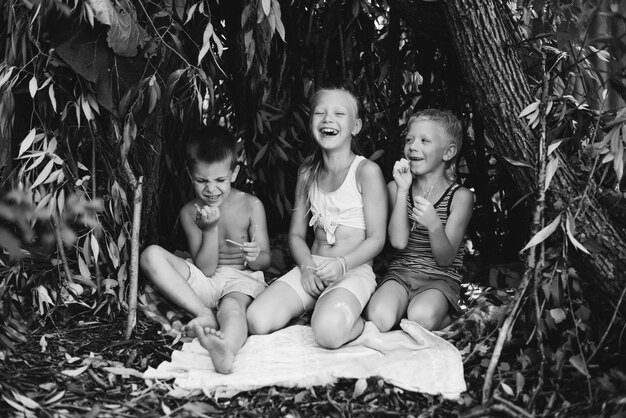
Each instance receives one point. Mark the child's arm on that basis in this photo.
(398, 192)
(374, 194)
(445, 243)
(257, 250)
(300, 251)
(200, 226)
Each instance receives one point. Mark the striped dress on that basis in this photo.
(417, 255)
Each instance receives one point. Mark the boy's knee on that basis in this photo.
(381, 316)
(149, 255)
(428, 320)
(232, 306)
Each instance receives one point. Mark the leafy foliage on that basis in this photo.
(96, 93)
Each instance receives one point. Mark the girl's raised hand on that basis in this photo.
(330, 271)
(206, 216)
(311, 284)
(402, 174)
(424, 213)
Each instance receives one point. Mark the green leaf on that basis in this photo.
(26, 142)
(530, 108)
(550, 171)
(558, 315)
(43, 175)
(32, 87)
(517, 163)
(206, 41)
(376, 155)
(580, 365)
(260, 154)
(266, 6)
(125, 34)
(543, 234)
(569, 226)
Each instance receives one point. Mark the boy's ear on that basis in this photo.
(450, 152)
(358, 124)
(233, 176)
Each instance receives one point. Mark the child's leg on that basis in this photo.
(169, 274)
(387, 305)
(222, 345)
(283, 300)
(429, 309)
(337, 318)
(273, 309)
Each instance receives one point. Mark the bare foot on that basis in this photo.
(221, 354)
(203, 321)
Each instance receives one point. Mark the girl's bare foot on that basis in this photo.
(203, 321)
(221, 354)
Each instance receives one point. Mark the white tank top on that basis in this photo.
(344, 206)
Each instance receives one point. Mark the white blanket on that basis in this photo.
(415, 360)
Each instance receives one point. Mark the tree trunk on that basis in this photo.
(485, 45)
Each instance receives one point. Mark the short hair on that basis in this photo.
(211, 144)
(451, 125)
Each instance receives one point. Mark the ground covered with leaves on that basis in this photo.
(86, 368)
(81, 365)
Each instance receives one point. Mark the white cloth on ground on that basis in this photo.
(413, 359)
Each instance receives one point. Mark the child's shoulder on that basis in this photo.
(463, 196)
(368, 169)
(246, 200)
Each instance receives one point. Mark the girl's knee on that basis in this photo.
(258, 320)
(332, 330)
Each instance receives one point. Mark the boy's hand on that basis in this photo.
(311, 284)
(206, 216)
(251, 251)
(424, 213)
(402, 174)
(330, 271)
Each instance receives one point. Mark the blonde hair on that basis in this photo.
(312, 165)
(451, 125)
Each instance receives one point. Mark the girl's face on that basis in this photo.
(334, 120)
(212, 181)
(427, 147)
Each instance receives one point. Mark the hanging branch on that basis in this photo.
(539, 217)
(137, 186)
(94, 196)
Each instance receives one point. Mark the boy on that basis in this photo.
(429, 214)
(227, 237)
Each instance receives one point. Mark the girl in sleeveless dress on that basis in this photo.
(342, 197)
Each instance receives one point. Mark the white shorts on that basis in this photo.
(360, 281)
(225, 280)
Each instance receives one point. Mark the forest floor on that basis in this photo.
(81, 365)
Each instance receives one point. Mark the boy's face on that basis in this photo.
(212, 181)
(427, 146)
(333, 119)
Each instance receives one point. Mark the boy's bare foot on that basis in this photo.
(203, 321)
(221, 354)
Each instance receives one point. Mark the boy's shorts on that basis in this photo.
(360, 281)
(225, 280)
(416, 282)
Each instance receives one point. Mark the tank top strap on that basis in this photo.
(351, 176)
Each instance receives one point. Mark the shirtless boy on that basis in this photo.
(227, 237)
